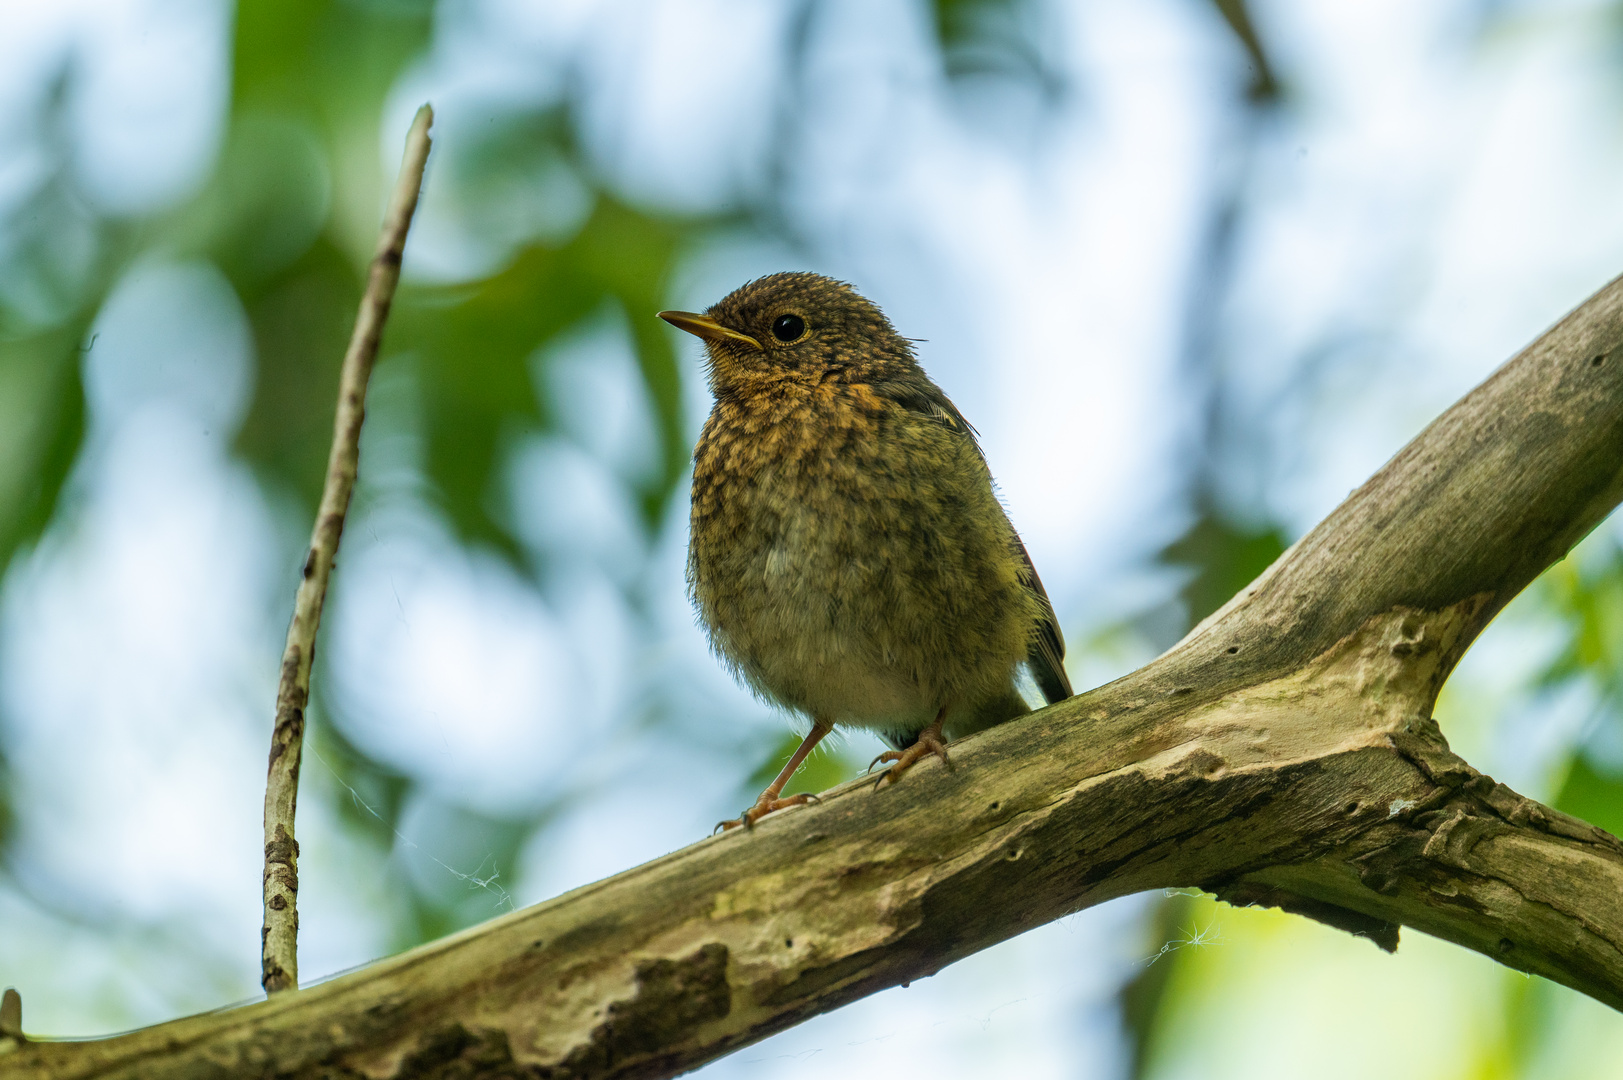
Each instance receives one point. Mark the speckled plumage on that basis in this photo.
(848, 555)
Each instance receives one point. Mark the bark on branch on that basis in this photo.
(1284, 753)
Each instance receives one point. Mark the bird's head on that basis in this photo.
(795, 326)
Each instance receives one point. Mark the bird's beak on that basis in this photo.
(706, 327)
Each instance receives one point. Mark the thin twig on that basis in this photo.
(279, 964)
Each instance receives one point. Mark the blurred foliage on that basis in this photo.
(373, 794)
(1585, 594)
(995, 38)
(53, 272)
(1010, 39)
(474, 341)
(7, 820)
(42, 402)
(1585, 591)
(437, 894)
(443, 893)
(1224, 556)
(1263, 87)
(1594, 793)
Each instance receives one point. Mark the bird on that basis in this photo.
(848, 554)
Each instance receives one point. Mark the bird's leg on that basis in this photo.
(929, 741)
(769, 800)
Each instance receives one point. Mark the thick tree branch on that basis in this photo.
(279, 964)
(1284, 753)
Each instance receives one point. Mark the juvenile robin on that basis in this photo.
(848, 556)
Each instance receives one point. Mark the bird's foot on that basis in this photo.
(763, 806)
(928, 743)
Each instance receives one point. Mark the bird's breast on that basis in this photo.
(762, 468)
(850, 559)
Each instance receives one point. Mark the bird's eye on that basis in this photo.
(788, 327)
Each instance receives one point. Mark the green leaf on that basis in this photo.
(42, 423)
(1225, 556)
(1593, 793)
(301, 319)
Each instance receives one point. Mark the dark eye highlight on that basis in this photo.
(788, 328)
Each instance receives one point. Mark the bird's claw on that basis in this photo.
(763, 806)
(905, 759)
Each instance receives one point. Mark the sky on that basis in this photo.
(1441, 188)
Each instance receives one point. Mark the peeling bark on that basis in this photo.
(1284, 753)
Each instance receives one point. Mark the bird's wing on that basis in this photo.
(926, 398)
(1047, 653)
